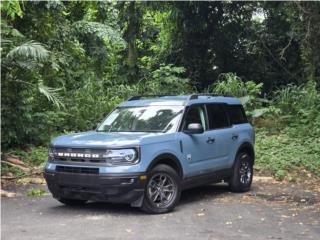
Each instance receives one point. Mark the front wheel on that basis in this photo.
(242, 173)
(162, 191)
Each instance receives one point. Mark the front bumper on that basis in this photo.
(117, 188)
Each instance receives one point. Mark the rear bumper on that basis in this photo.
(117, 188)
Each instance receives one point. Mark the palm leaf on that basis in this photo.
(51, 94)
(29, 50)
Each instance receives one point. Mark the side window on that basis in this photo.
(195, 114)
(237, 114)
(217, 116)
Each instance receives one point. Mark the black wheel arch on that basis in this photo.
(168, 159)
(248, 148)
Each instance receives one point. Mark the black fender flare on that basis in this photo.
(247, 147)
(167, 158)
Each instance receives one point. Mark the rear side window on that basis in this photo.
(217, 116)
(236, 114)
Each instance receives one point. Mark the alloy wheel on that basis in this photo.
(245, 172)
(161, 190)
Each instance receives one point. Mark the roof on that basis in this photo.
(185, 100)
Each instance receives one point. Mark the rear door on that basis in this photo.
(220, 129)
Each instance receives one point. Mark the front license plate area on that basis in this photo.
(76, 179)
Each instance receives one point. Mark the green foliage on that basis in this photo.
(288, 141)
(15, 171)
(11, 8)
(296, 99)
(35, 192)
(100, 31)
(33, 156)
(89, 104)
(72, 51)
(249, 93)
(231, 84)
(30, 50)
(166, 80)
(66, 64)
(285, 153)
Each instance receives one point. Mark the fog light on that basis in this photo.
(128, 181)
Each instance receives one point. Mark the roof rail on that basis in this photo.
(195, 96)
(148, 96)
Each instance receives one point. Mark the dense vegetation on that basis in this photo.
(66, 64)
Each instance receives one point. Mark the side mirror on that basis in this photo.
(194, 128)
(98, 125)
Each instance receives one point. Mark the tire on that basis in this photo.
(72, 202)
(242, 173)
(162, 191)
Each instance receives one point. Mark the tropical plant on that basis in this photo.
(249, 93)
(167, 79)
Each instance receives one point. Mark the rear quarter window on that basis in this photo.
(236, 114)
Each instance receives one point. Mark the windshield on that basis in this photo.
(142, 119)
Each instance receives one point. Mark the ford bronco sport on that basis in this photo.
(150, 148)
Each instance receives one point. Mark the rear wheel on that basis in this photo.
(162, 191)
(72, 202)
(242, 173)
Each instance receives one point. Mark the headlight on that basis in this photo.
(121, 156)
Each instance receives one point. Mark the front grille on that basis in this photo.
(84, 151)
(64, 159)
(77, 170)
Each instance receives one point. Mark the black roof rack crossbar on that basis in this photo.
(148, 96)
(195, 96)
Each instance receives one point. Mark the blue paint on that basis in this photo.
(205, 157)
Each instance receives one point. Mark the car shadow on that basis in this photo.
(97, 208)
(189, 196)
(204, 192)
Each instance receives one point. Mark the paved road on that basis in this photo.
(210, 212)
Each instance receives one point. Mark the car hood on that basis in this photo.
(103, 139)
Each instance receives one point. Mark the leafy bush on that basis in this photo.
(231, 84)
(283, 154)
(166, 80)
(249, 93)
(299, 102)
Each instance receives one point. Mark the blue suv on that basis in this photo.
(150, 148)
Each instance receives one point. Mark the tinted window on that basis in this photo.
(195, 114)
(217, 116)
(236, 114)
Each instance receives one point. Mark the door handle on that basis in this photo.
(210, 140)
(235, 136)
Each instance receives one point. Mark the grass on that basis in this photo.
(35, 192)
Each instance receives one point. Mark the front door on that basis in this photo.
(197, 149)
